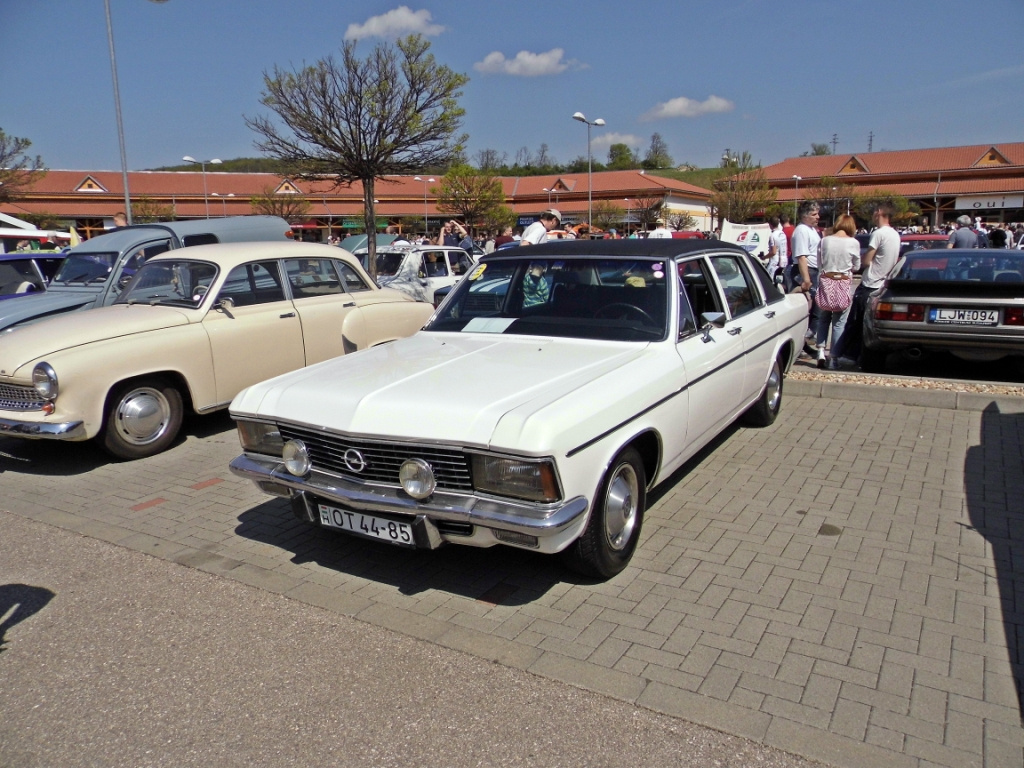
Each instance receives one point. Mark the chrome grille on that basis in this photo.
(383, 460)
(15, 398)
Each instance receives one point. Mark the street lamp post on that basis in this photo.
(223, 202)
(796, 198)
(590, 168)
(426, 228)
(215, 161)
(330, 220)
(545, 189)
(729, 160)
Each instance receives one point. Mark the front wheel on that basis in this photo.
(610, 538)
(764, 412)
(143, 419)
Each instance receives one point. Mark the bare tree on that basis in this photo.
(681, 220)
(146, 210)
(469, 194)
(287, 206)
(743, 193)
(657, 154)
(18, 171)
(524, 158)
(396, 112)
(607, 214)
(490, 159)
(647, 208)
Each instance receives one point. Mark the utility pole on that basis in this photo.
(835, 140)
(871, 139)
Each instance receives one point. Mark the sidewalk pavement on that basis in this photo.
(840, 586)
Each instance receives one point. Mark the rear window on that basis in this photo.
(963, 267)
(205, 238)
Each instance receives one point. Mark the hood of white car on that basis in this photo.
(469, 389)
(73, 329)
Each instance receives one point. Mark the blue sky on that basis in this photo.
(766, 77)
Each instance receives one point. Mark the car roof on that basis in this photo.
(227, 229)
(924, 237)
(658, 248)
(229, 255)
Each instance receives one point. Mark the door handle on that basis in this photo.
(348, 304)
(769, 315)
(287, 314)
(735, 331)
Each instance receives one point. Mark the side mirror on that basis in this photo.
(226, 304)
(711, 320)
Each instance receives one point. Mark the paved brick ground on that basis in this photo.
(842, 586)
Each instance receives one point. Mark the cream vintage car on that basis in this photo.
(552, 389)
(192, 329)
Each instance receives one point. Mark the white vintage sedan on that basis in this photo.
(554, 387)
(193, 328)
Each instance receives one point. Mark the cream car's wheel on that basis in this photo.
(143, 418)
(610, 538)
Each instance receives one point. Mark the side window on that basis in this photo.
(205, 238)
(352, 280)
(772, 291)
(701, 292)
(434, 264)
(460, 262)
(740, 296)
(312, 277)
(249, 284)
(143, 253)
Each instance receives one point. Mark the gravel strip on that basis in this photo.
(808, 371)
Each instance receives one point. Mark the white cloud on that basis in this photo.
(397, 23)
(602, 139)
(527, 64)
(684, 107)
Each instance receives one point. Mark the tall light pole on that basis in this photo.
(215, 161)
(330, 220)
(796, 199)
(426, 228)
(590, 168)
(545, 189)
(223, 201)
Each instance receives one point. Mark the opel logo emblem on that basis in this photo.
(355, 460)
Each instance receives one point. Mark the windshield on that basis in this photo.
(19, 276)
(389, 262)
(607, 299)
(176, 282)
(86, 267)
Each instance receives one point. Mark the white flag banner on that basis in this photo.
(753, 238)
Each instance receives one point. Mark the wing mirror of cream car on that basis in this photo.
(711, 320)
(225, 304)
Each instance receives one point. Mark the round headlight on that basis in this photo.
(296, 458)
(44, 379)
(417, 478)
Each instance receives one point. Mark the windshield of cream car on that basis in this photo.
(608, 299)
(177, 282)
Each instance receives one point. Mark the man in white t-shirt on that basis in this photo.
(878, 261)
(659, 230)
(537, 233)
(803, 268)
(778, 247)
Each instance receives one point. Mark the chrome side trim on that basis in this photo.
(68, 430)
(530, 519)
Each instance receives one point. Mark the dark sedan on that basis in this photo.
(966, 302)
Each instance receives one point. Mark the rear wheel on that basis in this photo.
(764, 412)
(610, 538)
(143, 418)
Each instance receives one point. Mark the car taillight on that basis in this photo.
(887, 310)
(1013, 316)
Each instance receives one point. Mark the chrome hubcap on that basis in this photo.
(773, 390)
(143, 415)
(620, 505)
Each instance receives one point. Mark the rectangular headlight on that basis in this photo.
(260, 437)
(530, 480)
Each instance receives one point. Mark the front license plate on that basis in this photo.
(366, 525)
(964, 316)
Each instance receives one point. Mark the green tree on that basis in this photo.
(607, 214)
(621, 158)
(817, 149)
(834, 196)
(18, 171)
(904, 211)
(468, 194)
(146, 210)
(360, 120)
(287, 206)
(742, 195)
(498, 218)
(657, 154)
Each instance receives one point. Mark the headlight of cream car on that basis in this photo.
(260, 437)
(530, 480)
(44, 380)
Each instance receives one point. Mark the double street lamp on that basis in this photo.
(426, 228)
(223, 201)
(215, 161)
(590, 167)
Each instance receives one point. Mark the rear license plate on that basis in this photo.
(964, 316)
(366, 525)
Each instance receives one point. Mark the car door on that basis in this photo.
(259, 336)
(133, 259)
(712, 356)
(436, 271)
(323, 306)
(747, 319)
